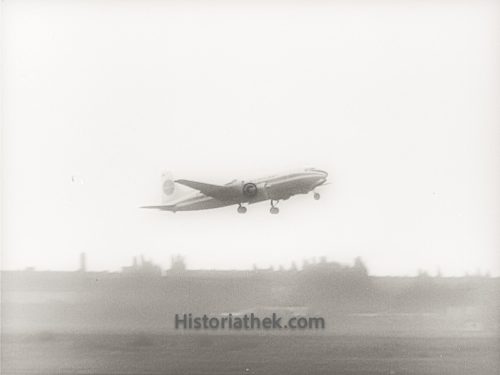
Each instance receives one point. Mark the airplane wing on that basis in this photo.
(220, 192)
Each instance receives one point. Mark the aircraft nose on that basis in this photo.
(322, 172)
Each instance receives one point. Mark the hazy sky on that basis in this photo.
(398, 101)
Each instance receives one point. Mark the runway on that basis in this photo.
(47, 353)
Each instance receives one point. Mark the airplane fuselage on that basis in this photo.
(273, 188)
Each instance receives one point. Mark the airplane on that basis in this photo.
(239, 192)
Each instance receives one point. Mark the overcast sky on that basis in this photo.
(398, 101)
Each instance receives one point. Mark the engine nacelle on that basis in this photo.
(250, 190)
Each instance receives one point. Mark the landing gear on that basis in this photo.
(241, 209)
(274, 210)
(316, 196)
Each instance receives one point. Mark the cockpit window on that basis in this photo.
(316, 170)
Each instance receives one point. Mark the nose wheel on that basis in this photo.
(274, 210)
(317, 196)
(241, 209)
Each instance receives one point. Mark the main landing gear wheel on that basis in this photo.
(241, 209)
(274, 210)
(317, 196)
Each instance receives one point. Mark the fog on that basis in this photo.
(399, 103)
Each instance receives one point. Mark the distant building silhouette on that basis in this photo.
(143, 267)
(360, 267)
(177, 264)
(83, 262)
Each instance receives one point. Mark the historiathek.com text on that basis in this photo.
(247, 322)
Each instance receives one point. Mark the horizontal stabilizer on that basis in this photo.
(165, 207)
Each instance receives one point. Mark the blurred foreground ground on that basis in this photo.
(47, 353)
(123, 322)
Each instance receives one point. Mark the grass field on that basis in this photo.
(48, 353)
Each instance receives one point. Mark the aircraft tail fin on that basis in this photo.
(167, 187)
(170, 190)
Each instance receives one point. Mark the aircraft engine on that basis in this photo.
(249, 189)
